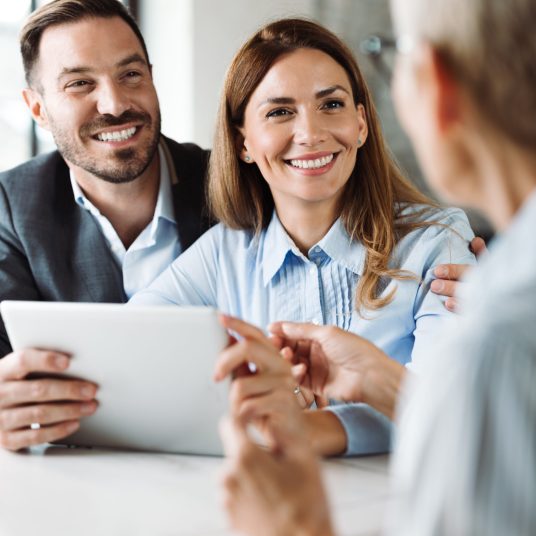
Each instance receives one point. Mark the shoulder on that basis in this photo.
(33, 172)
(432, 235)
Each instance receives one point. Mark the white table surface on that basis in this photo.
(60, 491)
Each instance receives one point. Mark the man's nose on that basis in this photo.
(112, 99)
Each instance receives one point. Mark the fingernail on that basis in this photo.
(88, 408)
(87, 391)
(441, 271)
(437, 286)
(61, 362)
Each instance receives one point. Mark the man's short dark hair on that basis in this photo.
(63, 12)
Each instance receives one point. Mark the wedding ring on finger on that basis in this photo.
(35, 426)
(299, 397)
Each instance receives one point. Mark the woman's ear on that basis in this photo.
(241, 147)
(444, 90)
(362, 124)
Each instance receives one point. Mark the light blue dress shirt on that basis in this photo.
(266, 278)
(155, 247)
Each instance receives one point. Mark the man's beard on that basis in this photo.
(125, 165)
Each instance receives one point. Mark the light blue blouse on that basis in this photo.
(266, 278)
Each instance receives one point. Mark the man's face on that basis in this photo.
(96, 96)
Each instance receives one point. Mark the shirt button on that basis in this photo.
(315, 321)
(317, 249)
(312, 271)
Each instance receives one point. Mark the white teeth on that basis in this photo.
(312, 164)
(118, 135)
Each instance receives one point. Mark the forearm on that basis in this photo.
(325, 433)
(382, 386)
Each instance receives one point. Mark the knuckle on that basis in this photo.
(38, 414)
(6, 441)
(38, 389)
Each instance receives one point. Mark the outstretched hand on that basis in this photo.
(341, 365)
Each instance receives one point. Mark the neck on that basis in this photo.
(307, 223)
(508, 179)
(128, 206)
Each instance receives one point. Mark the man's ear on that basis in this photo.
(445, 90)
(34, 101)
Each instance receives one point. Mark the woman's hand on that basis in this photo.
(342, 365)
(266, 396)
(267, 494)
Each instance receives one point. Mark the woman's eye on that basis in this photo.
(279, 112)
(333, 104)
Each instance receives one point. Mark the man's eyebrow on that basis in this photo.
(82, 69)
(133, 58)
(319, 94)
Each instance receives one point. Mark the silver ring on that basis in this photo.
(35, 426)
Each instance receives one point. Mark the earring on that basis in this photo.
(247, 158)
(359, 142)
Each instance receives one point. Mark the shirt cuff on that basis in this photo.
(367, 430)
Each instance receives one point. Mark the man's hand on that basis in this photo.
(342, 365)
(449, 275)
(267, 494)
(40, 410)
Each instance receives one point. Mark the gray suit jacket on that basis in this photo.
(51, 249)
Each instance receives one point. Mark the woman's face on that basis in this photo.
(303, 130)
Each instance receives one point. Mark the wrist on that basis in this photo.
(381, 386)
(325, 433)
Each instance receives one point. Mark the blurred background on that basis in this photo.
(191, 43)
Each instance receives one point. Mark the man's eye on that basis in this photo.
(279, 112)
(78, 85)
(133, 76)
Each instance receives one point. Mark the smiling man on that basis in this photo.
(102, 216)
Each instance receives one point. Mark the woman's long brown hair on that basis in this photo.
(376, 193)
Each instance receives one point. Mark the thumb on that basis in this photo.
(233, 435)
(296, 330)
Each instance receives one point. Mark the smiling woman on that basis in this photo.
(317, 223)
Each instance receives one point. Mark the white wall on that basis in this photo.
(191, 43)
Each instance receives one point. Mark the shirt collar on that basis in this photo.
(336, 245)
(164, 202)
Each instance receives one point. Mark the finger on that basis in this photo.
(17, 365)
(243, 329)
(298, 372)
(262, 354)
(257, 385)
(444, 287)
(233, 435)
(453, 272)
(45, 390)
(296, 331)
(452, 305)
(478, 246)
(21, 439)
(21, 417)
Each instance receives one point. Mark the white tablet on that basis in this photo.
(153, 365)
